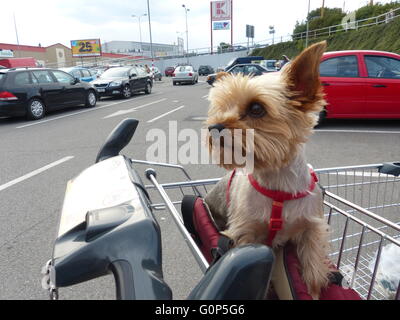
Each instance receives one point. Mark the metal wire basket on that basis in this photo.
(362, 206)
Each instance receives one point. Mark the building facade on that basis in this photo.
(59, 55)
(142, 48)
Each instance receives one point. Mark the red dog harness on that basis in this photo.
(278, 198)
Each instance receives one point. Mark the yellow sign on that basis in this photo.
(86, 48)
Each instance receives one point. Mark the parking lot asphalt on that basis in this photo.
(38, 158)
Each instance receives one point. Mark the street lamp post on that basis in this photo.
(16, 33)
(272, 31)
(308, 22)
(187, 33)
(180, 34)
(140, 29)
(151, 39)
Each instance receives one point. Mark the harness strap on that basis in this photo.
(278, 197)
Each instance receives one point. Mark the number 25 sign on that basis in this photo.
(86, 48)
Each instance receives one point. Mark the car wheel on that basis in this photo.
(147, 90)
(322, 117)
(91, 99)
(36, 109)
(126, 92)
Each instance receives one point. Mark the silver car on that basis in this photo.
(184, 74)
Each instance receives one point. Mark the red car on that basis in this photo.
(361, 84)
(169, 71)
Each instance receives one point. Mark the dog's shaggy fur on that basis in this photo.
(290, 101)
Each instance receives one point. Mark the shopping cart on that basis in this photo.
(362, 206)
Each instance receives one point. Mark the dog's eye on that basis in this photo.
(256, 110)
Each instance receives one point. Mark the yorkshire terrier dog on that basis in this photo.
(282, 108)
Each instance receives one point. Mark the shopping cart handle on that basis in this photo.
(150, 172)
(390, 168)
(118, 139)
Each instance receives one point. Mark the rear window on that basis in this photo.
(183, 69)
(76, 73)
(141, 72)
(22, 79)
(343, 67)
(86, 73)
(236, 70)
(42, 76)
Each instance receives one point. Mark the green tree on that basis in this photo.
(332, 16)
(224, 47)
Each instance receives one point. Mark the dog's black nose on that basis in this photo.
(217, 126)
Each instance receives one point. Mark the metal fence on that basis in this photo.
(352, 25)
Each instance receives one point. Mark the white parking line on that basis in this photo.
(356, 131)
(165, 114)
(34, 173)
(123, 112)
(79, 112)
(198, 118)
(205, 97)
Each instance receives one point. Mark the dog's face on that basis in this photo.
(281, 107)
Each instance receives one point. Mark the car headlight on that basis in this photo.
(115, 83)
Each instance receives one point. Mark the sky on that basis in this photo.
(59, 21)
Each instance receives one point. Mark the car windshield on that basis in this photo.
(115, 73)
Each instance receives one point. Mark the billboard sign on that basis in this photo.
(221, 10)
(249, 31)
(86, 48)
(222, 25)
(6, 53)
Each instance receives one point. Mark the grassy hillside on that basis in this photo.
(384, 37)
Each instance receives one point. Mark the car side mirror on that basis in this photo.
(76, 80)
(133, 75)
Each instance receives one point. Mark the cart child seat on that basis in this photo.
(287, 283)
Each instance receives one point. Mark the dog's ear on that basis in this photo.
(302, 75)
(221, 75)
